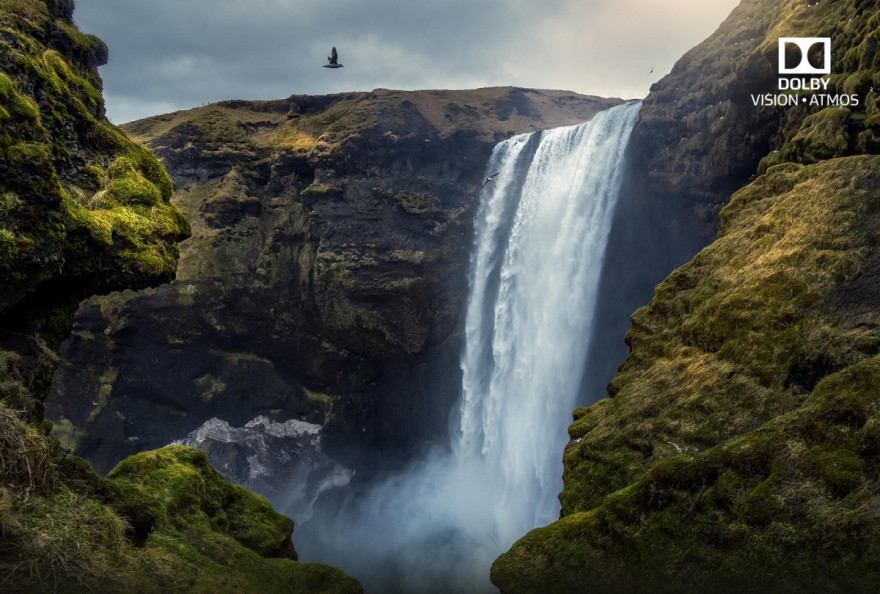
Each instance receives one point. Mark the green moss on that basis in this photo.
(181, 508)
(419, 204)
(7, 89)
(129, 187)
(782, 508)
(253, 523)
(111, 229)
(8, 244)
(741, 445)
(163, 521)
(823, 135)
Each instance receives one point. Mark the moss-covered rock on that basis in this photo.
(85, 210)
(735, 453)
(176, 488)
(83, 204)
(162, 521)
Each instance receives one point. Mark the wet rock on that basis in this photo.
(283, 462)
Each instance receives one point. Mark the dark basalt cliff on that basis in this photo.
(738, 448)
(84, 210)
(325, 279)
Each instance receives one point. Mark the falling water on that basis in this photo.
(540, 241)
(527, 332)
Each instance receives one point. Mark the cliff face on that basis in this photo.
(737, 449)
(325, 279)
(85, 210)
(701, 137)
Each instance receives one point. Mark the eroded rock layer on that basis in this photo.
(325, 280)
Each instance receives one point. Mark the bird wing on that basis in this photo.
(333, 56)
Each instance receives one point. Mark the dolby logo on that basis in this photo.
(802, 79)
(805, 45)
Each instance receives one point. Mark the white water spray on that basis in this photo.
(541, 232)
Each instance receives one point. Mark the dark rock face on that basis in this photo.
(325, 280)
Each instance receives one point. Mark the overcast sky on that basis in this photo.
(167, 55)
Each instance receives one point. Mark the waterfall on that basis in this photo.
(541, 231)
(533, 294)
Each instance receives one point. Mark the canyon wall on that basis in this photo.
(736, 450)
(325, 280)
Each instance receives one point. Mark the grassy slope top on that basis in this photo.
(307, 124)
(737, 451)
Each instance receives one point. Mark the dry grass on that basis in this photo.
(25, 460)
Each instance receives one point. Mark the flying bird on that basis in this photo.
(652, 71)
(332, 60)
(491, 178)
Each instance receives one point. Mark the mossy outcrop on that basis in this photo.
(85, 210)
(162, 521)
(326, 276)
(735, 453)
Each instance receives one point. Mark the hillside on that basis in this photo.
(84, 210)
(736, 450)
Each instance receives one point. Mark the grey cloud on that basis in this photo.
(174, 54)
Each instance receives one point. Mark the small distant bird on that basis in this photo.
(652, 71)
(333, 60)
(491, 178)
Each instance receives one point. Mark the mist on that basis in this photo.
(540, 239)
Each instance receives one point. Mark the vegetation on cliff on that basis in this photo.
(737, 449)
(162, 521)
(82, 208)
(80, 201)
(325, 273)
(85, 210)
(720, 462)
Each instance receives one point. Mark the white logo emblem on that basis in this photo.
(805, 44)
